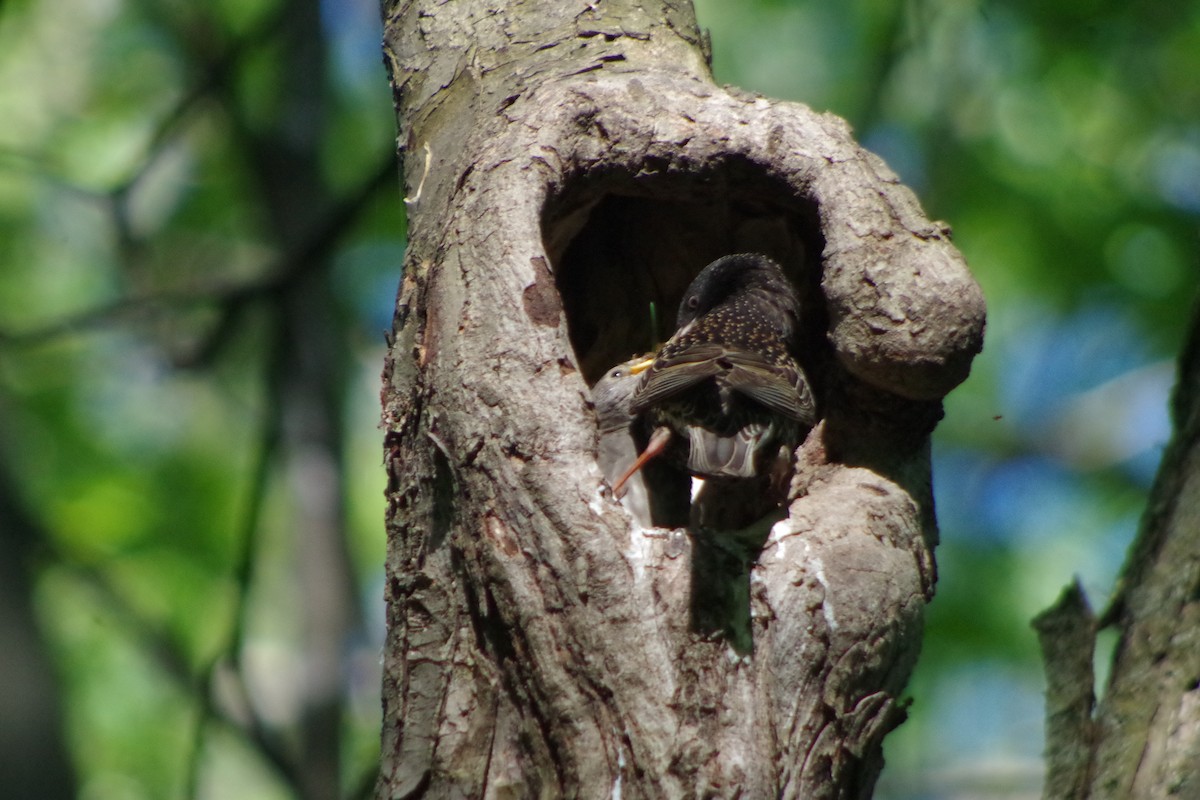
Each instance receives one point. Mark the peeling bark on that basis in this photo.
(566, 164)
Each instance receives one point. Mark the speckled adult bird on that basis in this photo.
(725, 397)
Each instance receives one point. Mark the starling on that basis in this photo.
(612, 396)
(724, 397)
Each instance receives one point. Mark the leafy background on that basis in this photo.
(190, 511)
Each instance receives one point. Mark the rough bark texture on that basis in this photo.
(1067, 636)
(565, 164)
(1143, 741)
(34, 760)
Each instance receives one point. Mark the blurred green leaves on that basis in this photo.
(144, 283)
(142, 295)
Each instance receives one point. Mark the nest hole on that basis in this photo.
(620, 245)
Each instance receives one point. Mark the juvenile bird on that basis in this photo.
(655, 498)
(612, 397)
(725, 397)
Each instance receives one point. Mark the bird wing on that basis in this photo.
(674, 371)
(780, 387)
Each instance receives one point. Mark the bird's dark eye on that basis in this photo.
(693, 302)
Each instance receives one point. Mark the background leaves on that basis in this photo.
(161, 476)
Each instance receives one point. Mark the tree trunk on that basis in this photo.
(566, 164)
(1143, 739)
(34, 759)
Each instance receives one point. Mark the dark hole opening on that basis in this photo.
(618, 244)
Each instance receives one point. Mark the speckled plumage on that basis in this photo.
(726, 385)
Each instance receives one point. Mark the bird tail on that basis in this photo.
(725, 456)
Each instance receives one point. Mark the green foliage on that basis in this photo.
(149, 417)
(146, 289)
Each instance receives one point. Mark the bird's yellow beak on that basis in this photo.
(641, 366)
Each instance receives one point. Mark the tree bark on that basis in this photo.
(565, 164)
(1142, 740)
(34, 757)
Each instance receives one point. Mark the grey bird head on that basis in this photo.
(612, 395)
